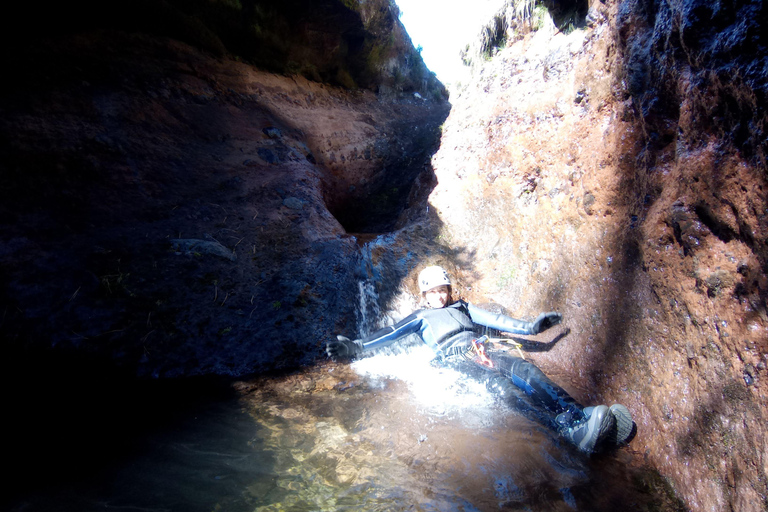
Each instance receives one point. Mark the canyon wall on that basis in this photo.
(171, 210)
(615, 172)
(185, 187)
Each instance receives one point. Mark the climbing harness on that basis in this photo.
(478, 345)
(507, 341)
(476, 349)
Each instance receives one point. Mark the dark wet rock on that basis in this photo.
(111, 142)
(293, 203)
(193, 247)
(272, 132)
(268, 155)
(81, 260)
(717, 53)
(588, 202)
(750, 375)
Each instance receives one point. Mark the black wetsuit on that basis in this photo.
(449, 332)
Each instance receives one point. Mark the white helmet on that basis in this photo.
(432, 277)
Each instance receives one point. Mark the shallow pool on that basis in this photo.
(387, 433)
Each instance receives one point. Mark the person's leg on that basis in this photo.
(542, 390)
(510, 377)
(587, 432)
(524, 387)
(502, 387)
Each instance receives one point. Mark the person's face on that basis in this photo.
(438, 297)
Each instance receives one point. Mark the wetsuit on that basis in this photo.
(449, 332)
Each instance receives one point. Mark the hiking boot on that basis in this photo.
(568, 418)
(589, 434)
(625, 428)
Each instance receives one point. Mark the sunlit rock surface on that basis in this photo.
(613, 174)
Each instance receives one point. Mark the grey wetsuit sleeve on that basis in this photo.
(497, 321)
(392, 333)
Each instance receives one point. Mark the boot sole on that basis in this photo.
(625, 427)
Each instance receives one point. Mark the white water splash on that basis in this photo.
(442, 390)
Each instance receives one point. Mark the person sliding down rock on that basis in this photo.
(451, 329)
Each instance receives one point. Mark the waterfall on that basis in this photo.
(383, 300)
(368, 311)
(368, 314)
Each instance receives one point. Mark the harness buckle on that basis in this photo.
(478, 345)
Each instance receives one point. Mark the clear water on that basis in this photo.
(390, 432)
(394, 433)
(387, 433)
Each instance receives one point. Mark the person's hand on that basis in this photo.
(343, 348)
(544, 321)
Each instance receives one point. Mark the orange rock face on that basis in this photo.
(647, 233)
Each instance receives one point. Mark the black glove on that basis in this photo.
(343, 348)
(544, 321)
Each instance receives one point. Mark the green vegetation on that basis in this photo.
(385, 200)
(507, 277)
(466, 59)
(493, 36)
(347, 43)
(568, 21)
(538, 17)
(115, 283)
(524, 9)
(658, 487)
(353, 5)
(235, 4)
(344, 79)
(525, 17)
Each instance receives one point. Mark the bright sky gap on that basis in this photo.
(443, 28)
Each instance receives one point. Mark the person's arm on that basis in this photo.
(390, 334)
(344, 347)
(507, 324)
